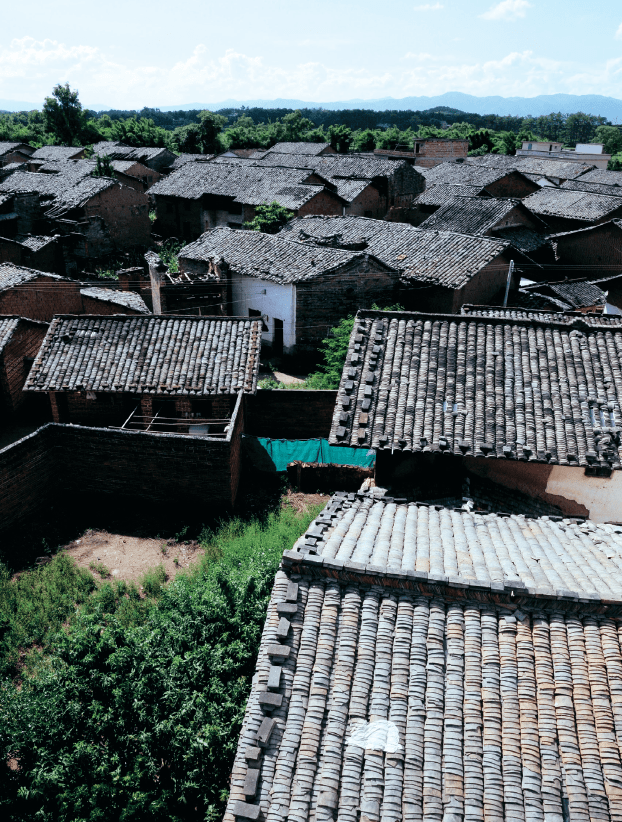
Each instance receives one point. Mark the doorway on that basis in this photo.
(277, 345)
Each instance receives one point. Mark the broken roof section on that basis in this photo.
(60, 192)
(473, 386)
(437, 257)
(269, 257)
(196, 356)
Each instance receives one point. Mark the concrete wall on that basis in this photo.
(290, 414)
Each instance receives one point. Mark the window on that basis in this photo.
(259, 316)
(417, 148)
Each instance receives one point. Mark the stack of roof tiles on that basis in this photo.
(267, 256)
(543, 315)
(196, 356)
(419, 663)
(436, 257)
(467, 385)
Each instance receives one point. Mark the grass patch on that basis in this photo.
(136, 713)
(100, 568)
(153, 580)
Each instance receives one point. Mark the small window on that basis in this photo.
(598, 471)
(529, 146)
(417, 148)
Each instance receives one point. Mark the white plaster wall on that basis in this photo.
(602, 497)
(279, 300)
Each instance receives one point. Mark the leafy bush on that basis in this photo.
(153, 580)
(138, 719)
(269, 218)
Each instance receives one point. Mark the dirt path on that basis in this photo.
(128, 558)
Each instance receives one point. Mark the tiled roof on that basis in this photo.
(7, 327)
(512, 389)
(543, 553)
(595, 188)
(56, 152)
(471, 215)
(524, 239)
(190, 158)
(12, 275)
(118, 151)
(422, 698)
(573, 205)
(300, 148)
(542, 315)
(578, 293)
(61, 192)
(7, 146)
(268, 256)
(245, 183)
(437, 257)
(466, 174)
(198, 356)
(440, 194)
(127, 299)
(538, 166)
(35, 243)
(602, 175)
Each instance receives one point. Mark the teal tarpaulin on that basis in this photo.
(282, 452)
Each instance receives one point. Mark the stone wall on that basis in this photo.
(290, 414)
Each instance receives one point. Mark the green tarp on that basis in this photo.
(282, 452)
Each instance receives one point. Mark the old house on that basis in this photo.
(528, 404)
(40, 296)
(167, 391)
(108, 214)
(598, 247)
(427, 662)
(580, 184)
(199, 196)
(438, 269)
(37, 252)
(429, 152)
(156, 158)
(542, 170)
(14, 152)
(573, 295)
(564, 210)
(182, 159)
(300, 291)
(20, 340)
(497, 182)
(588, 153)
(308, 149)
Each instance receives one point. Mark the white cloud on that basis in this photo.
(429, 7)
(29, 69)
(619, 32)
(507, 10)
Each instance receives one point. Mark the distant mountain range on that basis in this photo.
(596, 104)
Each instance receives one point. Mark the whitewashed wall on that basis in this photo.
(272, 299)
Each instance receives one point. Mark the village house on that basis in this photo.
(599, 247)
(429, 662)
(108, 214)
(14, 153)
(40, 296)
(156, 158)
(128, 172)
(581, 184)
(581, 295)
(300, 291)
(497, 182)
(297, 148)
(159, 394)
(182, 159)
(544, 171)
(429, 152)
(199, 196)
(531, 405)
(564, 210)
(38, 252)
(590, 153)
(439, 270)
(20, 340)
(57, 154)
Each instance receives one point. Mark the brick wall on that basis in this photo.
(324, 203)
(599, 246)
(178, 217)
(91, 305)
(24, 343)
(512, 185)
(290, 414)
(322, 302)
(125, 212)
(28, 478)
(369, 203)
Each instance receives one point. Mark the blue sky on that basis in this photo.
(128, 54)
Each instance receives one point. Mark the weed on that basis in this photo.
(164, 548)
(176, 561)
(181, 534)
(99, 568)
(152, 581)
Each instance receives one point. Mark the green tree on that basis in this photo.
(610, 137)
(187, 139)
(103, 167)
(211, 125)
(615, 164)
(364, 140)
(340, 138)
(63, 116)
(269, 218)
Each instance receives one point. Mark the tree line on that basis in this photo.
(63, 121)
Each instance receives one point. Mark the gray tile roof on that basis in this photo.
(602, 175)
(548, 554)
(466, 385)
(596, 188)
(12, 275)
(436, 257)
(245, 183)
(7, 146)
(126, 299)
(190, 158)
(60, 193)
(311, 149)
(56, 153)
(118, 151)
(472, 215)
(577, 293)
(524, 239)
(197, 356)
(268, 256)
(542, 315)
(7, 328)
(35, 243)
(572, 205)
(440, 194)
(425, 699)
(466, 174)
(538, 166)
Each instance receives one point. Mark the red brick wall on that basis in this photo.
(324, 203)
(369, 203)
(40, 299)
(126, 214)
(484, 285)
(516, 217)
(513, 185)
(602, 245)
(25, 342)
(90, 305)
(322, 302)
(178, 217)
(290, 414)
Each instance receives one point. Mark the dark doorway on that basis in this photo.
(63, 407)
(277, 345)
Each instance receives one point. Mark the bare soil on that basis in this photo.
(128, 558)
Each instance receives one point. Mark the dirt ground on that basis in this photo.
(127, 557)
